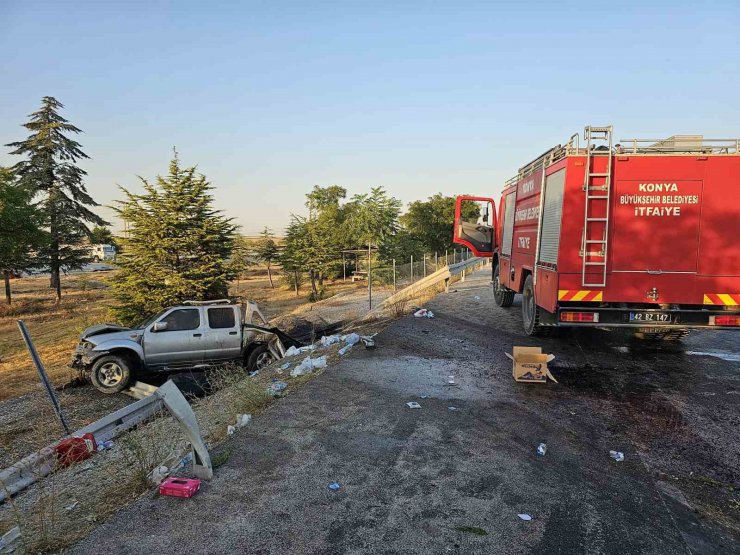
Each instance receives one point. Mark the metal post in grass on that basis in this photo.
(436, 261)
(424, 265)
(44, 378)
(412, 268)
(394, 275)
(344, 268)
(446, 263)
(369, 279)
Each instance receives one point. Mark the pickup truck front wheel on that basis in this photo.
(258, 358)
(111, 374)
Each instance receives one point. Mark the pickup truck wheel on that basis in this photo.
(259, 358)
(111, 374)
(504, 297)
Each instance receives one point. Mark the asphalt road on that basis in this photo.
(426, 480)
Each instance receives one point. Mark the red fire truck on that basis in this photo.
(644, 234)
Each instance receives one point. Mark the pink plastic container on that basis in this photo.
(179, 487)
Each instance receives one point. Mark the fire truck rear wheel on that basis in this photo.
(504, 297)
(531, 312)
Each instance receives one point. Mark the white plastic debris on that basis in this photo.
(159, 474)
(424, 313)
(292, 351)
(413, 405)
(451, 380)
(308, 365)
(276, 387)
(230, 430)
(285, 366)
(477, 298)
(542, 449)
(327, 340)
(72, 507)
(344, 350)
(351, 338)
(242, 420)
(617, 455)
(524, 516)
(453, 409)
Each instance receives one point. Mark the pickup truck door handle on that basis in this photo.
(197, 334)
(232, 333)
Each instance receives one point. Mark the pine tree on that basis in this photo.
(177, 246)
(20, 232)
(50, 172)
(267, 251)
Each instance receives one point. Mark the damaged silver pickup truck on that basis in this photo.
(191, 336)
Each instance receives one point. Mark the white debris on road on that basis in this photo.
(424, 313)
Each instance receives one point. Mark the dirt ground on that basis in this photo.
(435, 480)
(26, 421)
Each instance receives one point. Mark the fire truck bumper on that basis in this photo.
(652, 318)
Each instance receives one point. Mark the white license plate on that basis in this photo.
(650, 317)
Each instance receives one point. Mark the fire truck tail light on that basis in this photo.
(579, 316)
(729, 320)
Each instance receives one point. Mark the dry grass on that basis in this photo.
(64, 507)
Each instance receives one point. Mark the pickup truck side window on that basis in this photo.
(219, 318)
(182, 319)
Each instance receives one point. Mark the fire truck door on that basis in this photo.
(475, 221)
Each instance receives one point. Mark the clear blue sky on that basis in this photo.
(271, 98)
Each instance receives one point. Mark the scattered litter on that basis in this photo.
(542, 449)
(334, 486)
(254, 373)
(308, 365)
(472, 530)
(424, 313)
(424, 396)
(477, 298)
(451, 380)
(617, 455)
(285, 366)
(72, 507)
(413, 405)
(179, 487)
(452, 409)
(524, 516)
(530, 365)
(344, 350)
(351, 338)
(276, 388)
(105, 445)
(369, 341)
(327, 340)
(75, 449)
(292, 351)
(242, 420)
(160, 473)
(230, 430)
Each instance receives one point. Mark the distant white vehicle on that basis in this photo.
(100, 253)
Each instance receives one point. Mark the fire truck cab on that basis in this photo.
(644, 234)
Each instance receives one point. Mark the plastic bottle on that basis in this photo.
(542, 449)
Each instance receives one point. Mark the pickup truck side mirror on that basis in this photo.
(159, 326)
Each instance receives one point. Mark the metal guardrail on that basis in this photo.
(441, 275)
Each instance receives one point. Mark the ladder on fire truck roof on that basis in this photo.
(597, 188)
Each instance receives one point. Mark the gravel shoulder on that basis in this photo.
(419, 481)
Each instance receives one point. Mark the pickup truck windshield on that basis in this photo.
(150, 320)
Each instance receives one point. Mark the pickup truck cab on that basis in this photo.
(189, 336)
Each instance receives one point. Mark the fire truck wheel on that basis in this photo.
(504, 297)
(530, 310)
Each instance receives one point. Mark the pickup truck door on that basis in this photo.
(180, 344)
(475, 230)
(222, 334)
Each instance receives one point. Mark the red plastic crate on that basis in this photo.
(179, 487)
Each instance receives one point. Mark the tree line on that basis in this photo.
(177, 246)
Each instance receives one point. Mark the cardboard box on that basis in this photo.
(530, 365)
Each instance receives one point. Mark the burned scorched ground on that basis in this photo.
(440, 480)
